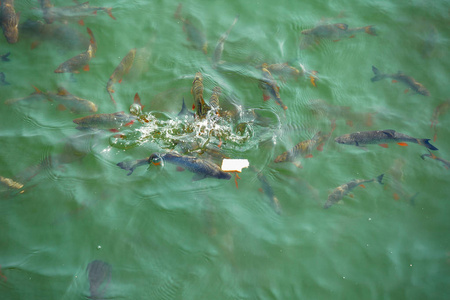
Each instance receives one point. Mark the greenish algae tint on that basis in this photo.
(74, 225)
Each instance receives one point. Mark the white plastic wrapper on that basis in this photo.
(234, 165)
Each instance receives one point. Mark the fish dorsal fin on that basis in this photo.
(341, 26)
(389, 132)
(63, 92)
(137, 100)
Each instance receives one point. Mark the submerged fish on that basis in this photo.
(197, 38)
(303, 148)
(33, 97)
(268, 190)
(201, 167)
(110, 122)
(221, 43)
(46, 6)
(342, 190)
(270, 88)
(337, 31)
(442, 108)
(99, 275)
(81, 60)
(381, 137)
(64, 13)
(408, 80)
(122, 69)
(3, 79)
(12, 186)
(63, 35)
(431, 155)
(71, 102)
(197, 91)
(214, 100)
(9, 21)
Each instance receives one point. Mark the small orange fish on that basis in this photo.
(197, 91)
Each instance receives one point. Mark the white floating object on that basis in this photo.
(234, 165)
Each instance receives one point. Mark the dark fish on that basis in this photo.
(201, 167)
(197, 38)
(342, 190)
(120, 71)
(63, 35)
(270, 88)
(408, 80)
(99, 275)
(9, 21)
(77, 11)
(197, 91)
(381, 137)
(268, 190)
(110, 122)
(81, 60)
(431, 155)
(221, 43)
(337, 31)
(303, 148)
(4, 57)
(3, 79)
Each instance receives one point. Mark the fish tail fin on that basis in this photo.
(380, 178)
(370, 30)
(378, 74)
(5, 56)
(112, 98)
(426, 143)
(108, 10)
(126, 166)
(177, 14)
(92, 40)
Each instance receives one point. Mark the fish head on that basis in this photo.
(155, 159)
(307, 31)
(198, 76)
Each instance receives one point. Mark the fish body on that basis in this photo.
(71, 102)
(446, 163)
(4, 57)
(270, 88)
(105, 121)
(10, 183)
(78, 11)
(47, 6)
(408, 80)
(214, 100)
(201, 167)
(221, 44)
(99, 276)
(284, 70)
(197, 91)
(338, 193)
(81, 60)
(9, 21)
(122, 69)
(362, 138)
(336, 31)
(303, 148)
(197, 38)
(33, 97)
(64, 35)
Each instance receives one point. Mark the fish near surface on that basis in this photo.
(303, 148)
(122, 69)
(381, 137)
(9, 21)
(77, 11)
(194, 35)
(99, 276)
(338, 193)
(268, 190)
(408, 80)
(71, 102)
(197, 91)
(270, 88)
(337, 31)
(81, 60)
(110, 122)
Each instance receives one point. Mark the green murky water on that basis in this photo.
(162, 235)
